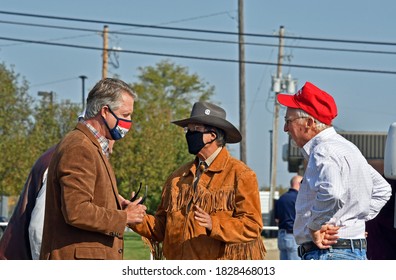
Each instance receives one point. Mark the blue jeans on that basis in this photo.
(336, 254)
(287, 246)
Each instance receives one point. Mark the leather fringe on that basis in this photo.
(222, 200)
(155, 248)
(254, 250)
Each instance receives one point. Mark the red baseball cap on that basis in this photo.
(314, 101)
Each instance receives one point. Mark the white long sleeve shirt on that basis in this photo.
(339, 187)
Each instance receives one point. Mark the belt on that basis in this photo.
(287, 230)
(341, 244)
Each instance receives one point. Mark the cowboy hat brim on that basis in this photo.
(232, 134)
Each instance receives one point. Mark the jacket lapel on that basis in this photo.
(105, 160)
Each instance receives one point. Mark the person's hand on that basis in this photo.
(331, 234)
(203, 218)
(135, 212)
(124, 202)
(326, 236)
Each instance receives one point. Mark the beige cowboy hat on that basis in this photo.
(213, 115)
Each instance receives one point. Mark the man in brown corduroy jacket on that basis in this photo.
(85, 217)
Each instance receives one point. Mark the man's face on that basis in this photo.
(123, 113)
(195, 127)
(199, 143)
(295, 126)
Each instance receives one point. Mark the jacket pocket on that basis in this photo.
(90, 253)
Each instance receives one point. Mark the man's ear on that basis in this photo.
(104, 111)
(214, 134)
(310, 122)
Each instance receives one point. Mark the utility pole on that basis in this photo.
(47, 94)
(275, 124)
(105, 54)
(82, 77)
(242, 105)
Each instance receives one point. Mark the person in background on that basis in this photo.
(15, 244)
(339, 188)
(82, 200)
(285, 213)
(210, 206)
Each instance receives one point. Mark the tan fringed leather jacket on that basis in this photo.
(228, 191)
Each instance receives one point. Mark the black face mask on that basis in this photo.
(195, 141)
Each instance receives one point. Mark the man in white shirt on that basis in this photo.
(339, 187)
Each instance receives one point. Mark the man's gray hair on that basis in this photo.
(109, 92)
(319, 125)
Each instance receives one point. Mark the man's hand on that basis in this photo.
(124, 202)
(135, 211)
(203, 218)
(326, 236)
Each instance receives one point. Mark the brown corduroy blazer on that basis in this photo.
(83, 216)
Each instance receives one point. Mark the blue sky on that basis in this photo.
(365, 100)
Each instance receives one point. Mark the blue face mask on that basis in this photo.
(121, 127)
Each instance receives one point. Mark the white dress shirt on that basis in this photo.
(37, 220)
(339, 187)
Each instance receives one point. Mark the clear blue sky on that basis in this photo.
(365, 100)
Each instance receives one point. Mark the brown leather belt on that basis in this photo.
(341, 244)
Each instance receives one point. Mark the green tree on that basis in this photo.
(155, 147)
(27, 129)
(51, 122)
(15, 121)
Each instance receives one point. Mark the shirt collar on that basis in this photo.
(212, 157)
(103, 141)
(320, 137)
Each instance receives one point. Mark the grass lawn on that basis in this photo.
(134, 247)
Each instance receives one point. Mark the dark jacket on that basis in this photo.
(14, 245)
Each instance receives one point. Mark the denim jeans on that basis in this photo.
(287, 246)
(336, 254)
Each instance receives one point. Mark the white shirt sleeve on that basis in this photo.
(382, 192)
(37, 220)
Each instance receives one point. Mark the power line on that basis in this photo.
(48, 26)
(198, 30)
(195, 39)
(53, 82)
(202, 58)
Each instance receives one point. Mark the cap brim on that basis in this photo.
(287, 100)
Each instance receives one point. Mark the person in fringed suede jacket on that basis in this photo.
(210, 207)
